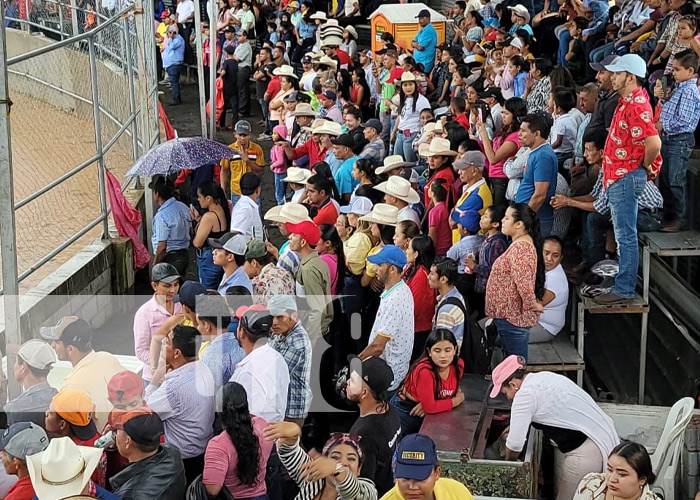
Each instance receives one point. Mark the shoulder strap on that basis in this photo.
(452, 301)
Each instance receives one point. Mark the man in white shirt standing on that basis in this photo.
(245, 218)
(185, 20)
(392, 333)
(556, 294)
(263, 372)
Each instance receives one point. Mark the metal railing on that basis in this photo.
(103, 78)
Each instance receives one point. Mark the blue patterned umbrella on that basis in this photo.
(181, 153)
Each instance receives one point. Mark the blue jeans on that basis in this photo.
(513, 338)
(409, 424)
(623, 196)
(675, 150)
(564, 40)
(596, 227)
(234, 199)
(599, 53)
(174, 77)
(546, 226)
(280, 188)
(209, 273)
(404, 146)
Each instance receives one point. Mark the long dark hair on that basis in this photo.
(324, 170)
(293, 81)
(344, 84)
(561, 77)
(403, 97)
(518, 108)
(638, 457)
(365, 166)
(235, 417)
(425, 248)
(330, 233)
(360, 74)
(438, 335)
(386, 233)
(523, 213)
(217, 193)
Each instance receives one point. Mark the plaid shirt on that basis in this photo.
(680, 114)
(295, 348)
(374, 152)
(491, 249)
(650, 199)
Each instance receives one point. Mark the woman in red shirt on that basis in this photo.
(516, 283)
(420, 254)
(359, 91)
(440, 158)
(432, 384)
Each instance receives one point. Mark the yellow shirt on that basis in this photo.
(239, 167)
(371, 269)
(356, 249)
(161, 31)
(445, 489)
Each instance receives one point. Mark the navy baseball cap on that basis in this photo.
(187, 295)
(469, 219)
(375, 124)
(416, 457)
(390, 254)
(423, 13)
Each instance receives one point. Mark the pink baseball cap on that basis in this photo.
(504, 371)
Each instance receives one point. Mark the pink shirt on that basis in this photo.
(147, 320)
(332, 261)
(439, 217)
(221, 461)
(496, 170)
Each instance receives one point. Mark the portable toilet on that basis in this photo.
(400, 20)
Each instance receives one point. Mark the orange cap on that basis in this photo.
(117, 418)
(73, 406)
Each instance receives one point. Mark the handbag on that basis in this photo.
(197, 491)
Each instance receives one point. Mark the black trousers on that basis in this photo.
(230, 102)
(194, 466)
(178, 258)
(244, 91)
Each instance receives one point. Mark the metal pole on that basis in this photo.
(200, 65)
(132, 95)
(8, 236)
(213, 14)
(60, 19)
(74, 17)
(98, 139)
(26, 13)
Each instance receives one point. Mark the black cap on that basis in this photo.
(187, 295)
(377, 374)
(257, 322)
(388, 46)
(491, 92)
(167, 273)
(343, 140)
(70, 330)
(292, 96)
(423, 13)
(145, 430)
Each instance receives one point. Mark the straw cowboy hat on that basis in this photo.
(285, 70)
(392, 163)
(303, 109)
(329, 127)
(319, 15)
(315, 124)
(62, 469)
(400, 188)
(324, 59)
(427, 129)
(297, 175)
(407, 76)
(352, 31)
(289, 212)
(440, 147)
(382, 213)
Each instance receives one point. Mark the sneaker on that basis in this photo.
(264, 137)
(610, 299)
(164, 81)
(671, 227)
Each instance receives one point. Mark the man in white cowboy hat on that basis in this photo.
(392, 165)
(374, 149)
(63, 470)
(289, 212)
(296, 178)
(398, 193)
(303, 117)
(331, 47)
(319, 144)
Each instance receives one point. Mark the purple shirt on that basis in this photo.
(148, 319)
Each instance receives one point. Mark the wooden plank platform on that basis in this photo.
(559, 355)
(684, 243)
(637, 306)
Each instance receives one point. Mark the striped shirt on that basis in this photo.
(295, 348)
(450, 316)
(293, 457)
(650, 199)
(171, 223)
(289, 259)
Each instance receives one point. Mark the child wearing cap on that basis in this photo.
(468, 225)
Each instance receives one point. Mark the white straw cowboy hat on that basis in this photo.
(285, 70)
(289, 212)
(400, 188)
(440, 147)
(392, 163)
(314, 124)
(297, 175)
(303, 109)
(407, 76)
(382, 213)
(319, 15)
(352, 31)
(327, 61)
(329, 127)
(427, 129)
(62, 469)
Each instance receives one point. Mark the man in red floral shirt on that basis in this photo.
(631, 153)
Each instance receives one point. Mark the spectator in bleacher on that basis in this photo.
(556, 293)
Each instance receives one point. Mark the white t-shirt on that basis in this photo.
(184, 9)
(564, 125)
(350, 7)
(410, 119)
(307, 80)
(551, 399)
(553, 317)
(395, 321)
(265, 377)
(407, 213)
(245, 218)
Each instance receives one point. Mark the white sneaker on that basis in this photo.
(264, 137)
(164, 81)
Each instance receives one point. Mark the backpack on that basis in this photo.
(477, 345)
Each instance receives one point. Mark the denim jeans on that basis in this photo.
(599, 53)
(280, 188)
(546, 226)
(623, 196)
(596, 227)
(234, 199)
(675, 150)
(513, 338)
(174, 77)
(564, 40)
(209, 273)
(404, 146)
(409, 424)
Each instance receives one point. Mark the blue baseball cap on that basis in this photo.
(416, 457)
(469, 219)
(631, 63)
(491, 21)
(390, 254)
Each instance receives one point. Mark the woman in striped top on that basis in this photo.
(333, 476)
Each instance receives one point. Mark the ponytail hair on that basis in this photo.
(523, 213)
(217, 193)
(330, 233)
(235, 417)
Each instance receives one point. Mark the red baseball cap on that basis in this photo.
(307, 230)
(125, 384)
(244, 309)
